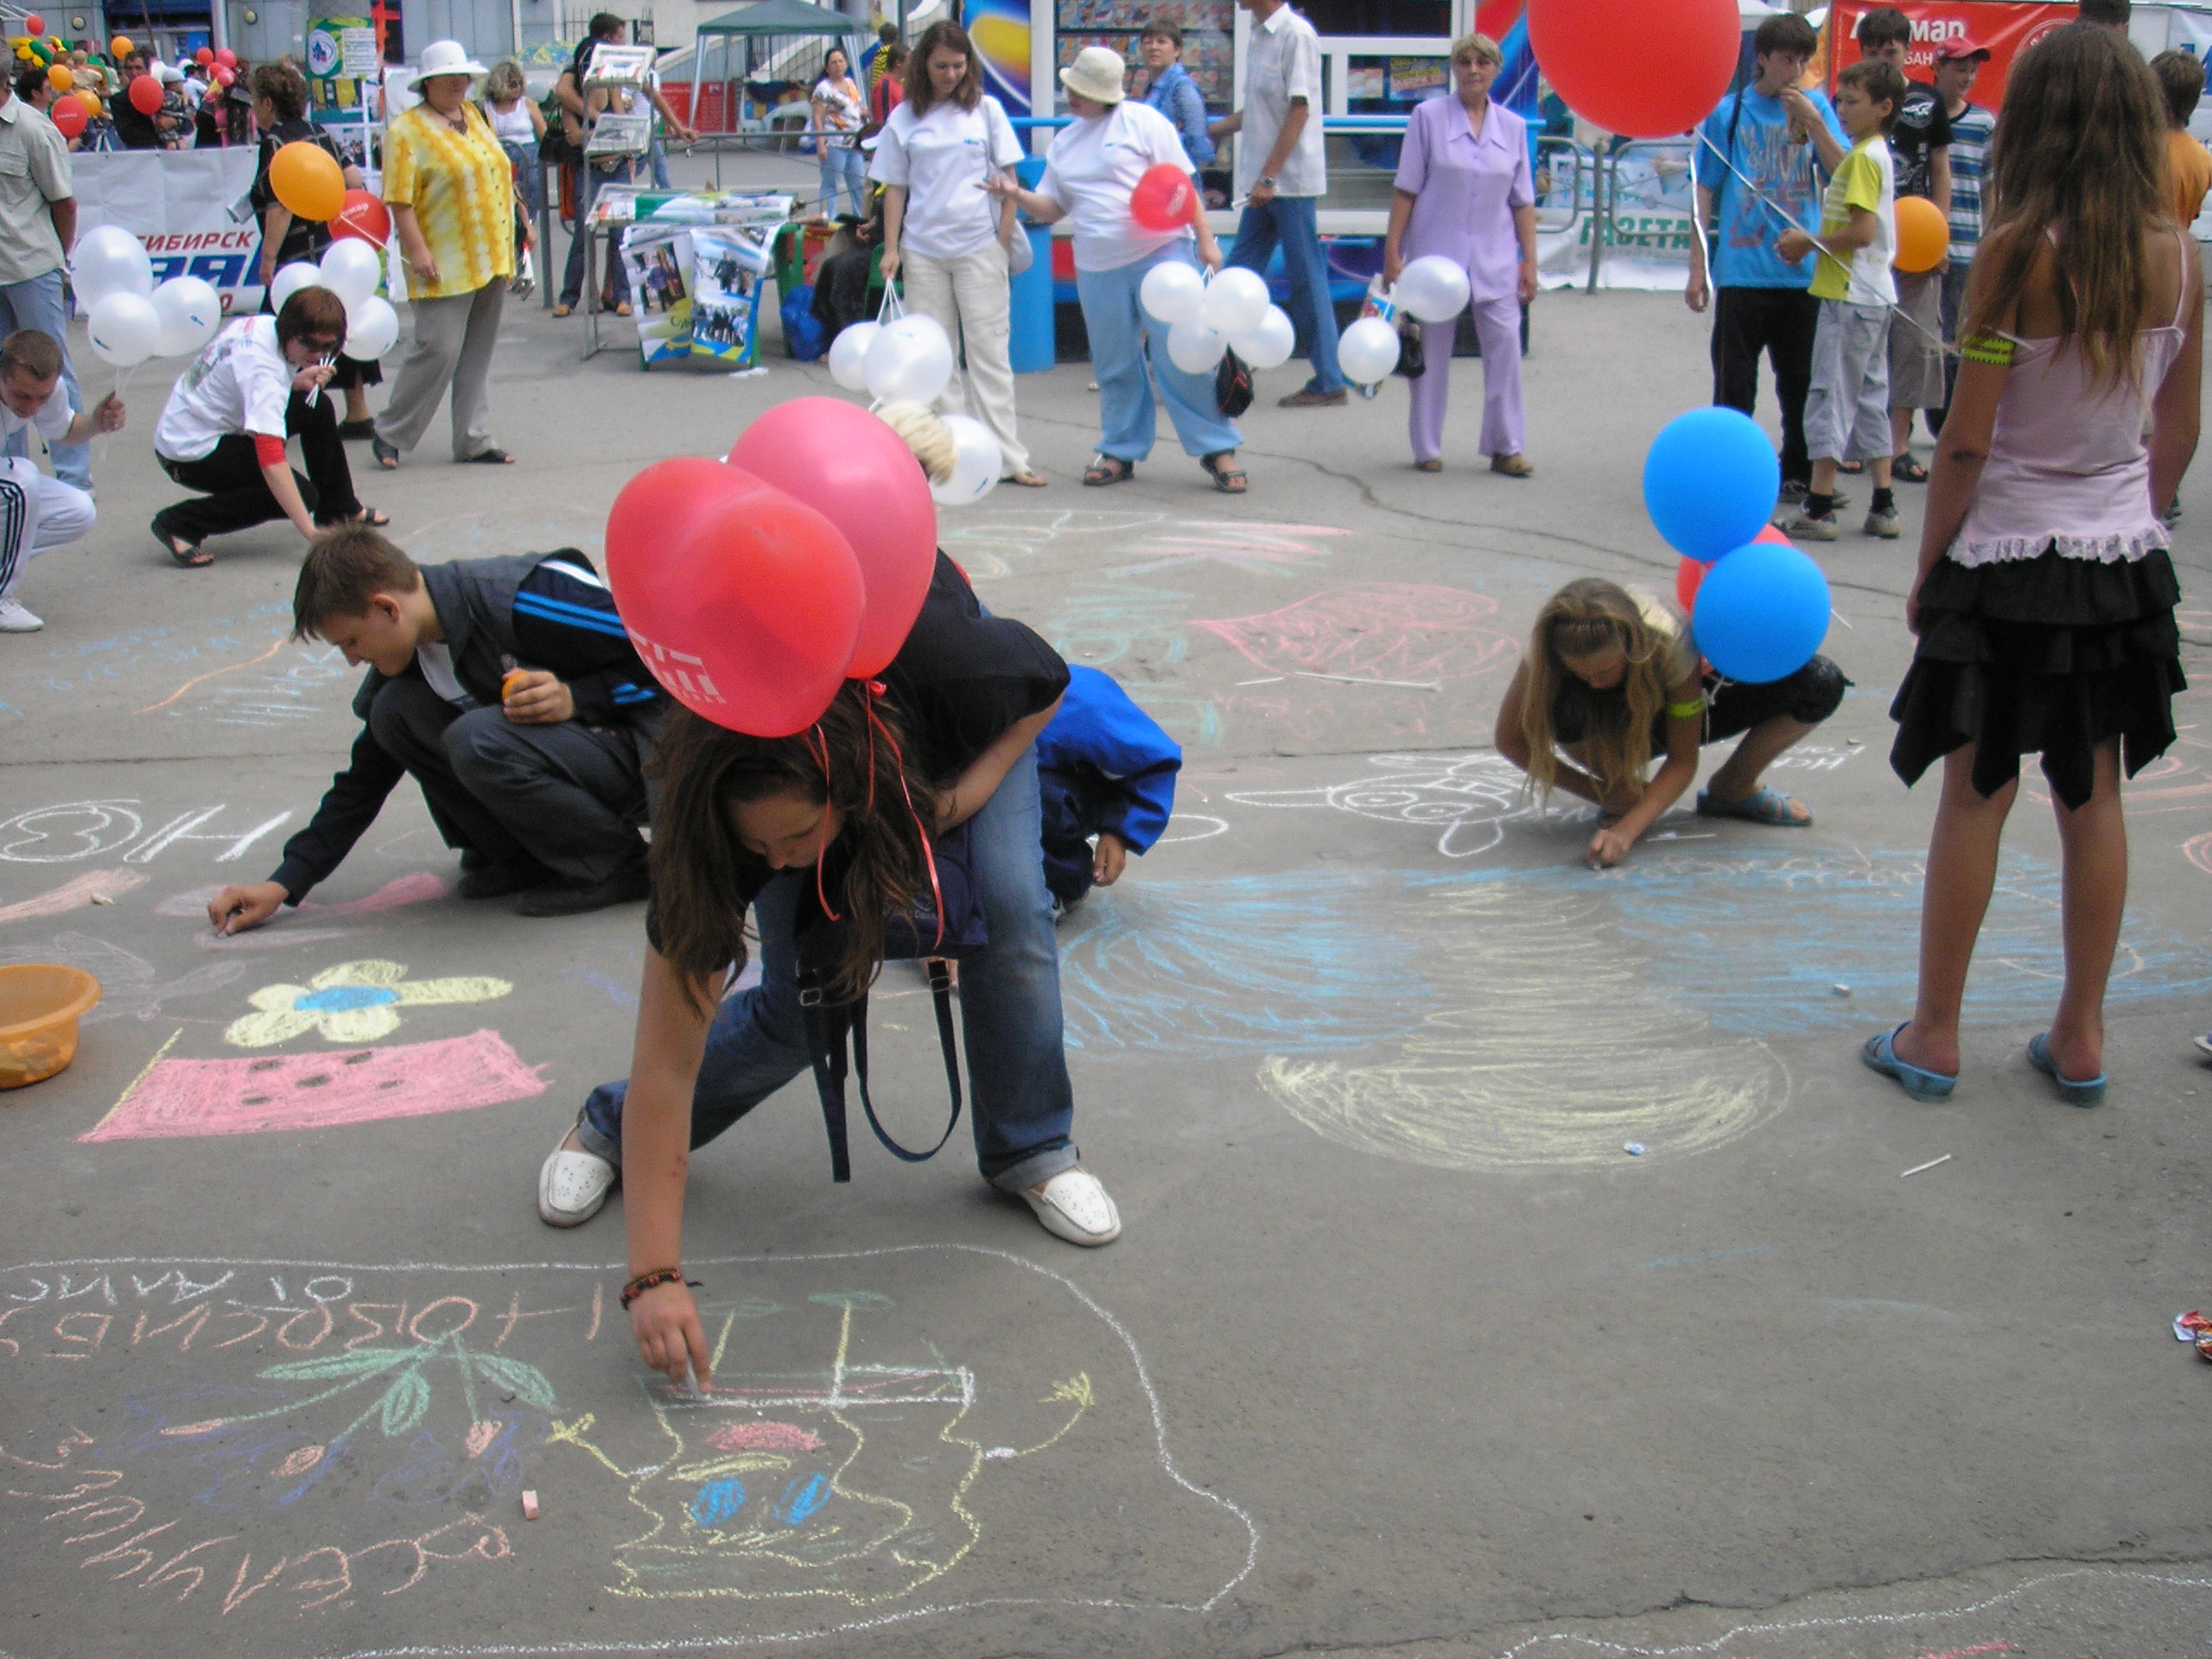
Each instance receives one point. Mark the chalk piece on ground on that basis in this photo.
(1856, 742)
(1840, 990)
(1930, 1164)
(1002, 1451)
(1635, 1148)
(102, 899)
(529, 1505)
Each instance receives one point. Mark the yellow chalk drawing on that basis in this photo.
(353, 1002)
(1559, 1055)
(847, 1482)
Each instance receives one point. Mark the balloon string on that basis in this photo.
(122, 376)
(820, 746)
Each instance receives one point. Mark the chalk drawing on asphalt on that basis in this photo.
(353, 1002)
(1466, 799)
(129, 985)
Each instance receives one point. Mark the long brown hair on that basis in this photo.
(920, 93)
(1581, 620)
(2076, 173)
(855, 758)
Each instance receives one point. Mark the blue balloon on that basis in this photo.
(1710, 481)
(1762, 612)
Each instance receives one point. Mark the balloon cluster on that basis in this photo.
(1230, 311)
(353, 270)
(753, 602)
(1758, 607)
(1432, 289)
(910, 360)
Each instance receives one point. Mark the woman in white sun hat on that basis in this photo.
(1090, 173)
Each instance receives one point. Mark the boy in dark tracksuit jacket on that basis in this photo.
(1103, 769)
(509, 689)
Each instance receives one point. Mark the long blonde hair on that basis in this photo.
(1583, 619)
(2077, 163)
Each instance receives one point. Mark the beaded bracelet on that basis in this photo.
(646, 1281)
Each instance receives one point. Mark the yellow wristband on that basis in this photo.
(1686, 710)
(1994, 349)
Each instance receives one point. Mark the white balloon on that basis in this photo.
(290, 279)
(912, 358)
(1236, 301)
(1269, 346)
(125, 329)
(372, 328)
(191, 311)
(1433, 289)
(1368, 350)
(1193, 347)
(1172, 292)
(849, 355)
(975, 472)
(350, 269)
(110, 260)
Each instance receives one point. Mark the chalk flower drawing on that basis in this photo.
(353, 1002)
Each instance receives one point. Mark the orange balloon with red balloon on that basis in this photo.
(1165, 199)
(1605, 59)
(743, 602)
(363, 217)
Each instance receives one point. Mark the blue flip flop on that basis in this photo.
(1762, 805)
(1880, 1053)
(2074, 1091)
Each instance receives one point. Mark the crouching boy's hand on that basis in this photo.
(533, 697)
(235, 909)
(1113, 855)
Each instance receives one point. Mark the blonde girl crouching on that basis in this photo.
(1613, 678)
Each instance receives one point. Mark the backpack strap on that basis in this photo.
(831, 1026)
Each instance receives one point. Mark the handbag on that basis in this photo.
(941, 929)
(1232, 385)
(1413, 355)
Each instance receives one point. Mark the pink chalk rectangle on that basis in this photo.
(319, 1091)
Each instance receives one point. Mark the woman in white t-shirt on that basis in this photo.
(838, 109)
(953, 243)
(222, 432)
(1091, 174)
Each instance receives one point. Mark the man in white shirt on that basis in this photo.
(1281, 174)
(38, 512)
(38, 224)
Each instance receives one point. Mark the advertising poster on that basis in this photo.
(728, 264)
(2006, 28)
(187, 205)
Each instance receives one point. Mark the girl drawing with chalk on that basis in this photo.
(1613, 679)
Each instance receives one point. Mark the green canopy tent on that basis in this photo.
(764, 38)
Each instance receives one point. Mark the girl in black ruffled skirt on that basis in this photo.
(2044, 599)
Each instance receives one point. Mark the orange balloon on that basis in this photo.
(91, 104)
(119, 48)
(1923, 235)
(308, 180)
(60, 79)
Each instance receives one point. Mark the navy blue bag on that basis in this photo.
(803, 336)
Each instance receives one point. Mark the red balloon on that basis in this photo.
(34, 24)
(1773, 533)
(205, 57)
(225, 75)
(68, 115)
(146, 95)
(1689, 576)
(1165, 199)
(859, 474)
(365, 216)
(743, 602)
(227, 58)
(1604, 58)
(1495, 18)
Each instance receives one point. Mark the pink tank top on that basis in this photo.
(2068, 470)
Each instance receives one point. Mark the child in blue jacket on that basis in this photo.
(1105, 769)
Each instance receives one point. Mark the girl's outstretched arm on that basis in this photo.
(1684, 732)
(656, 1159)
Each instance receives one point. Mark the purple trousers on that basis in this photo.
(1498, 325)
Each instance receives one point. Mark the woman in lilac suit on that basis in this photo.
(1464, 191)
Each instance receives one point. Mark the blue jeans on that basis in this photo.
(614, 281)
(1289, 220)
(38, 304)
(1120, 329)
(843, 161)
(1009, 1012)
(660, 165)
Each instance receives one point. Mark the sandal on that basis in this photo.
(387, 456)
(190, 555)
(1434, 464)
(368, 518)
(1028, 481)
(360, 429)
(563, 309)
(1760, 806)
(1108, 469)
(494, 456)
(1880, 1053)
(1512, 466)
(2074, 1091)
(1854, 467)
(1904, 469)
(1227, 478)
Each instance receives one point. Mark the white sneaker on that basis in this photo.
(1074, 1206)
(573, 1185)
(14, 618)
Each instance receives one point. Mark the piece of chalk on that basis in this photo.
(1634, 1148)
(1930, 1164)
(1840, 990)
(102, 899)
(529, 1505)
(691, 1376)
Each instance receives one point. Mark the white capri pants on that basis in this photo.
(1847, 410)
(37, 513)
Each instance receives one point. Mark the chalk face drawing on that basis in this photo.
(300, 1459)
(1285, 964)
(131, 986)
(1404, 632)
(353, 1002)
(1550, 1050)
(1466, 799)
(181, 1097)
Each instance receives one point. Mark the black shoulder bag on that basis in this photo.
(1232, 385)
(943, 927)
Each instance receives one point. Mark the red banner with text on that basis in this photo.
(2007, 27)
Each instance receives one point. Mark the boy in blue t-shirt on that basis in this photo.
(1759, 299)
(1104, 768)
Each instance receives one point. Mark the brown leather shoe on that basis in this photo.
(1307, 397)
(1511, 466)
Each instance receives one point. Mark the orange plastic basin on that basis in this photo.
(40, 1005)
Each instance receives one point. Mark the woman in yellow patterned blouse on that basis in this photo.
(450, 188)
